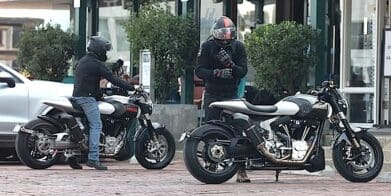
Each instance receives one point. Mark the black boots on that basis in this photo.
(74, 163)
(96, 164)
(241, 176)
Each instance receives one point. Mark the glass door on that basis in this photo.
(359, 59)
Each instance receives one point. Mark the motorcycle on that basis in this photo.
(43, 141)
(284, 136)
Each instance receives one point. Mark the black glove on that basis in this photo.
(223, 73)
(225, 58)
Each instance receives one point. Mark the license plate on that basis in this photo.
(17, 128)
(183, 136)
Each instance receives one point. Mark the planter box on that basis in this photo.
(177, 118)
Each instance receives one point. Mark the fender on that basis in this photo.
(210, 127)
(156, 126)
(55, 122)
(344, 137)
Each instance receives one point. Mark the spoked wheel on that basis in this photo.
(207, 159)
(359, 165)
(34, 150)
(155, 153)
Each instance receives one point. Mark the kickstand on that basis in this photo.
(277, 173)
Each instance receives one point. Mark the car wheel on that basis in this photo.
(8, 154)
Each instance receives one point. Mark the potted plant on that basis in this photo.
(282, 55)
(172, 40)
(44, 52)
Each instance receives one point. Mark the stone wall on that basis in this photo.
(177, 118)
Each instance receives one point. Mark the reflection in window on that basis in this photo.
(362, 44)
(246, 18)
(4, 33)
(104, 28)
(360, 108)
(123, 44)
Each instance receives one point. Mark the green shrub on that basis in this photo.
(45, 51)
(172, 40)
(282, 55)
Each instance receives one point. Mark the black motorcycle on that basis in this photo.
(284, 136)
(127, 131)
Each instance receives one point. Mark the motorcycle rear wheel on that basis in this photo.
(155, 154)
(206, 159)
(362, 166)
(27, 146)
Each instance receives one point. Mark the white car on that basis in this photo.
(22, 103)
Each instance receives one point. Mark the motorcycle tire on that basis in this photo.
(25, 145)
(352, 170)
(146, 158)
(192, 156)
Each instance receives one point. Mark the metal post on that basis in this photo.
(187, 77)
(81, 45)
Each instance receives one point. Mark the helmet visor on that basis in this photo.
(227, 33)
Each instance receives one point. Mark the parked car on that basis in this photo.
(22, 103)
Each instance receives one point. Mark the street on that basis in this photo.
(124, 178)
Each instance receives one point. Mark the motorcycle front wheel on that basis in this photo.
(207, 160)
(34, 149)
(359, 165)
(155, 153)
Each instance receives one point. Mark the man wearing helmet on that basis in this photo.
(89, 71)
(221, 63)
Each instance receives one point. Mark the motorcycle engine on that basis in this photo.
(288, 138)
(111, 136)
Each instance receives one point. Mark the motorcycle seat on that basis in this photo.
(260, 108)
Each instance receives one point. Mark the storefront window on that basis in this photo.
(361, 107)
(359, 57)
(362, 44)
(246, 18)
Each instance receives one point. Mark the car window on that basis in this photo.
(5, 73)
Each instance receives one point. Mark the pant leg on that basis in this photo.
(91, 110)
(210, 113)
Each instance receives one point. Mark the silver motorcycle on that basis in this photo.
(284, 136)
(127, 131)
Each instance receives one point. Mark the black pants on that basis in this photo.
(214, 113)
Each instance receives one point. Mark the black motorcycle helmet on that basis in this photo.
(223, 31)
(99, 46)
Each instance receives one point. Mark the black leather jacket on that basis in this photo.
(207, 61)
(89, 71)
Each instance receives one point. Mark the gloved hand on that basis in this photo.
(223, 73)
(225, 58)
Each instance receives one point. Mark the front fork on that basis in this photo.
(151, 130)
(348, 129)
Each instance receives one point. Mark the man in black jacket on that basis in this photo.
(89, 71)
(221, 63)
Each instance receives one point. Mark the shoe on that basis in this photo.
(74, 163)
(96, 164)
(242, 177)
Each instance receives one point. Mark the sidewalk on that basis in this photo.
(124, 178)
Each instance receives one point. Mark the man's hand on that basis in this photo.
(223, 73)
(225, 58)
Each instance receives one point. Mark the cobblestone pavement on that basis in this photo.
(124, 178)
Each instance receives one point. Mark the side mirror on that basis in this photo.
(10, 81)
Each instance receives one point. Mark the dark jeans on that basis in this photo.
(214, 113)
(91, 110)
